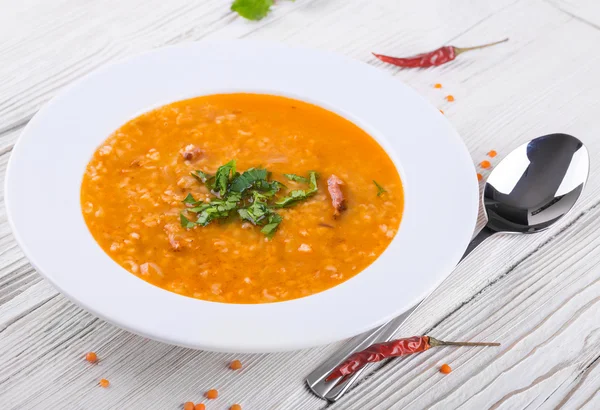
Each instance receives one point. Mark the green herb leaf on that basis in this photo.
(201, 176)
(216, 209)
(380, 190)
(271, 227)
(249, 194)
(298, 195)
(198, 209)
(256, 212)
(312, 175)
(224, 173)
(297, 178)
(269, 189)
(252, 9)
(185, 223)
(293, 197)
(247, 179)
(189, 199)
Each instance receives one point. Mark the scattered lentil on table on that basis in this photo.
(235, 407)
(450, 98)
(492, 154)
(212, 394)
(91, 357)
(199, 406)
(445, 369)
(485, 164)
(437, 85)
(235, 365)
(188, 405)
(104, 383)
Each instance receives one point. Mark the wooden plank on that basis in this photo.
(542, 305)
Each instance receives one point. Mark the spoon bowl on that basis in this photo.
(536, 184)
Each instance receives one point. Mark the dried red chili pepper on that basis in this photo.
(394, 348)
(433, 58)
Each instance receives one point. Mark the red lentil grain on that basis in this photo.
(212, 394)
(91, 357)
(445, 369)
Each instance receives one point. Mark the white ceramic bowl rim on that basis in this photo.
(46, 167)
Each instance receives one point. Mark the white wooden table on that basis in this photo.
(539, 295)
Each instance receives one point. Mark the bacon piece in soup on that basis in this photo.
(337, 197)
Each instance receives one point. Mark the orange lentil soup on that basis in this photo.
(134, 185)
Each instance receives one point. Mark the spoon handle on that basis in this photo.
(476, 241)
(333, 390)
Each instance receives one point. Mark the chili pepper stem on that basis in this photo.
(460, 50)
(435, 342)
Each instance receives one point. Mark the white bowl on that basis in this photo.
(47, 164)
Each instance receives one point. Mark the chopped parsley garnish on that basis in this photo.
(201, 176)
(380, 190)
(297, 178)
(271, 227)
(250, 195)
(189, 199)
(186, 223)
(222, 177)
(298, 195)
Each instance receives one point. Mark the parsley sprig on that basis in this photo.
(250, 194)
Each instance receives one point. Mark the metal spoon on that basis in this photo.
(532, 188)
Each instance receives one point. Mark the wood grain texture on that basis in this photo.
(538, 295)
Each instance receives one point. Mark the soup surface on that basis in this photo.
(134, 187)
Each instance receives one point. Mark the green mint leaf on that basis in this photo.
(271, 227)
(234, 198)
(297, 178)
(198, 209)
(185, 223)
(216, 209)
(298, 195)
(257, 212)
(269, 189)
(293, 197)
(380, 190)
(189, 199)
(312, 175)
(201, 176)
(248, 179)
(224, 173)
(252, 9)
